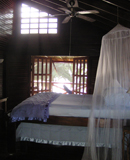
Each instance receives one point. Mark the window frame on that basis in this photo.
(75, 90)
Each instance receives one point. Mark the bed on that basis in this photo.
(52, 118)
(54, 108)
(58, 119)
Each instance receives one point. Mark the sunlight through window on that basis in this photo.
(34, 21)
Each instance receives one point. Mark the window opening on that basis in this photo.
(6, 22)
(35, 21)
(54, 75)
(62, 73)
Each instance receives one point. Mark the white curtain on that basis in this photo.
(110, 100)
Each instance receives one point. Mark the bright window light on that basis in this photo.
(34, 9)
(34, 31)
(44, 25)
(53, 31)
(25, 15)
(6, 21)
(24, 20)
(34, 21)
(43, 31)
(43, 14)
(33, 25)
(24, 31)
(34, 14)
(24, 25)
(9, 21)
(52, 19)
(25, 9)
(52, 25)
(24, 5)
(44, 20)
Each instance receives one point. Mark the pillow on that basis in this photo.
(113, 90)
(118, 99)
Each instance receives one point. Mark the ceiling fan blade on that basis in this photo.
(85, 18)
(66, 20)
(87, 12)
(66, 10)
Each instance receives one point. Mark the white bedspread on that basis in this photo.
(80, 106)
(71, 105)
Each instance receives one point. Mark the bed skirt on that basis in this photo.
(55, 134)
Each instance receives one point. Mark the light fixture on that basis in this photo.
(1, 60)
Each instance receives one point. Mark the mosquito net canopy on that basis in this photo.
(111, 102)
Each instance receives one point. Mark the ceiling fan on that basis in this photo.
(71, 12)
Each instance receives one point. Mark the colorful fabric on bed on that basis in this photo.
(34, 108)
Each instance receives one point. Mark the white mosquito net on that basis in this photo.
(111, 103)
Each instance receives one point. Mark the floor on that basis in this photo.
(34, 151)
(48, 152)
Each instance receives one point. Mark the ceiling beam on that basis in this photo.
(107, 11)
(46, 6)
(111, 12)
(119, 3)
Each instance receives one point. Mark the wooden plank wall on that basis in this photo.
(92, 69)
(6, 6)
(17, 79)
(86, 41)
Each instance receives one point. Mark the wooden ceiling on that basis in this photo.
(110, 13)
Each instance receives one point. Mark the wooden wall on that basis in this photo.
(6, 8)
(85, 41)
(92, 69)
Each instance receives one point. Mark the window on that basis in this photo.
(50, 74)
(34, 21)
(6, 22)
(62, 74)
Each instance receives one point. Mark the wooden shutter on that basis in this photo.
(80, 75)
(41, 74)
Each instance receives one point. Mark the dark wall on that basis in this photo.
(6, 6)
(85, 41)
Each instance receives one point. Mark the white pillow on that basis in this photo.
(118, 99)
(116, 96)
